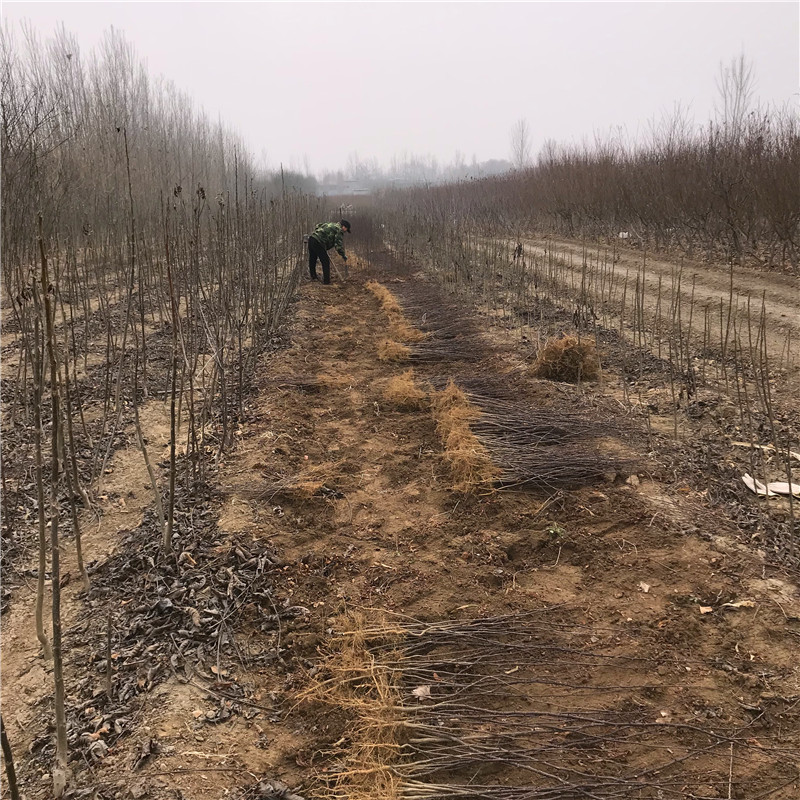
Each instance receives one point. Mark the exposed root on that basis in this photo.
(316, 481)
(399, 329)
(389, 350)
(470, 464)
(356, 682)
(567, 359)
(403, 393)
(387, 300)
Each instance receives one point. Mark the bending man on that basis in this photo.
(326, 235)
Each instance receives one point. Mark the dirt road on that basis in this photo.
(712, 283)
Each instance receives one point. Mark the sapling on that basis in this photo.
(60, 767)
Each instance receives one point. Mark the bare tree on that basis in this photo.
(736, 85)
(520, 144)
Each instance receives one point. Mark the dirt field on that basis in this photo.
(627, 640)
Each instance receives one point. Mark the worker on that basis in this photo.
(326, 235)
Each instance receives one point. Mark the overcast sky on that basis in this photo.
(314, 82)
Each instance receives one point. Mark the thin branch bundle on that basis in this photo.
(514, 707)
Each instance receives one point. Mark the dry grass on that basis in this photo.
(567, 359)
(469, 461)
(370, 694)
(403, 393)
(389, 350)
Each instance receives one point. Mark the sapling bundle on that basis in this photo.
(530, 448)
(514, 707)
(567, 359)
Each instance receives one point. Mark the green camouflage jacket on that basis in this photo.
(329, 234)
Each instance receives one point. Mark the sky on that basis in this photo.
(308, 84)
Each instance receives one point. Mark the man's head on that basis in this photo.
(345, 225)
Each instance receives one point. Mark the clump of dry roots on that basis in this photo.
(402, 392)
(567, 359)
(387, 299)
(389, 350)
(469, 461)
(522, 706)
(399, 329)
(354, 681)
(318, 480)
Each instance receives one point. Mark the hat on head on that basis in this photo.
(345, 224)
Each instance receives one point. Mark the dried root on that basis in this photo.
(399, 329)
(316, 481)
(389, 350)
(387, 299)
(403, 393)
(567, 359)
(469, 461)
(370, 692)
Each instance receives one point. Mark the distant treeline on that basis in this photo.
(730, 190)
(406, 171)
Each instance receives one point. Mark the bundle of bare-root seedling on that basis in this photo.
(528, 448)
(440, 333)
(449, 333)
(546, 448)
(567, 359)
(470, 464)
(522, 706)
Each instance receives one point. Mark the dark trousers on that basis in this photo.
(317, 251)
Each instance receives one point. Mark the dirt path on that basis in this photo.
(354, 497)
(713, 283)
